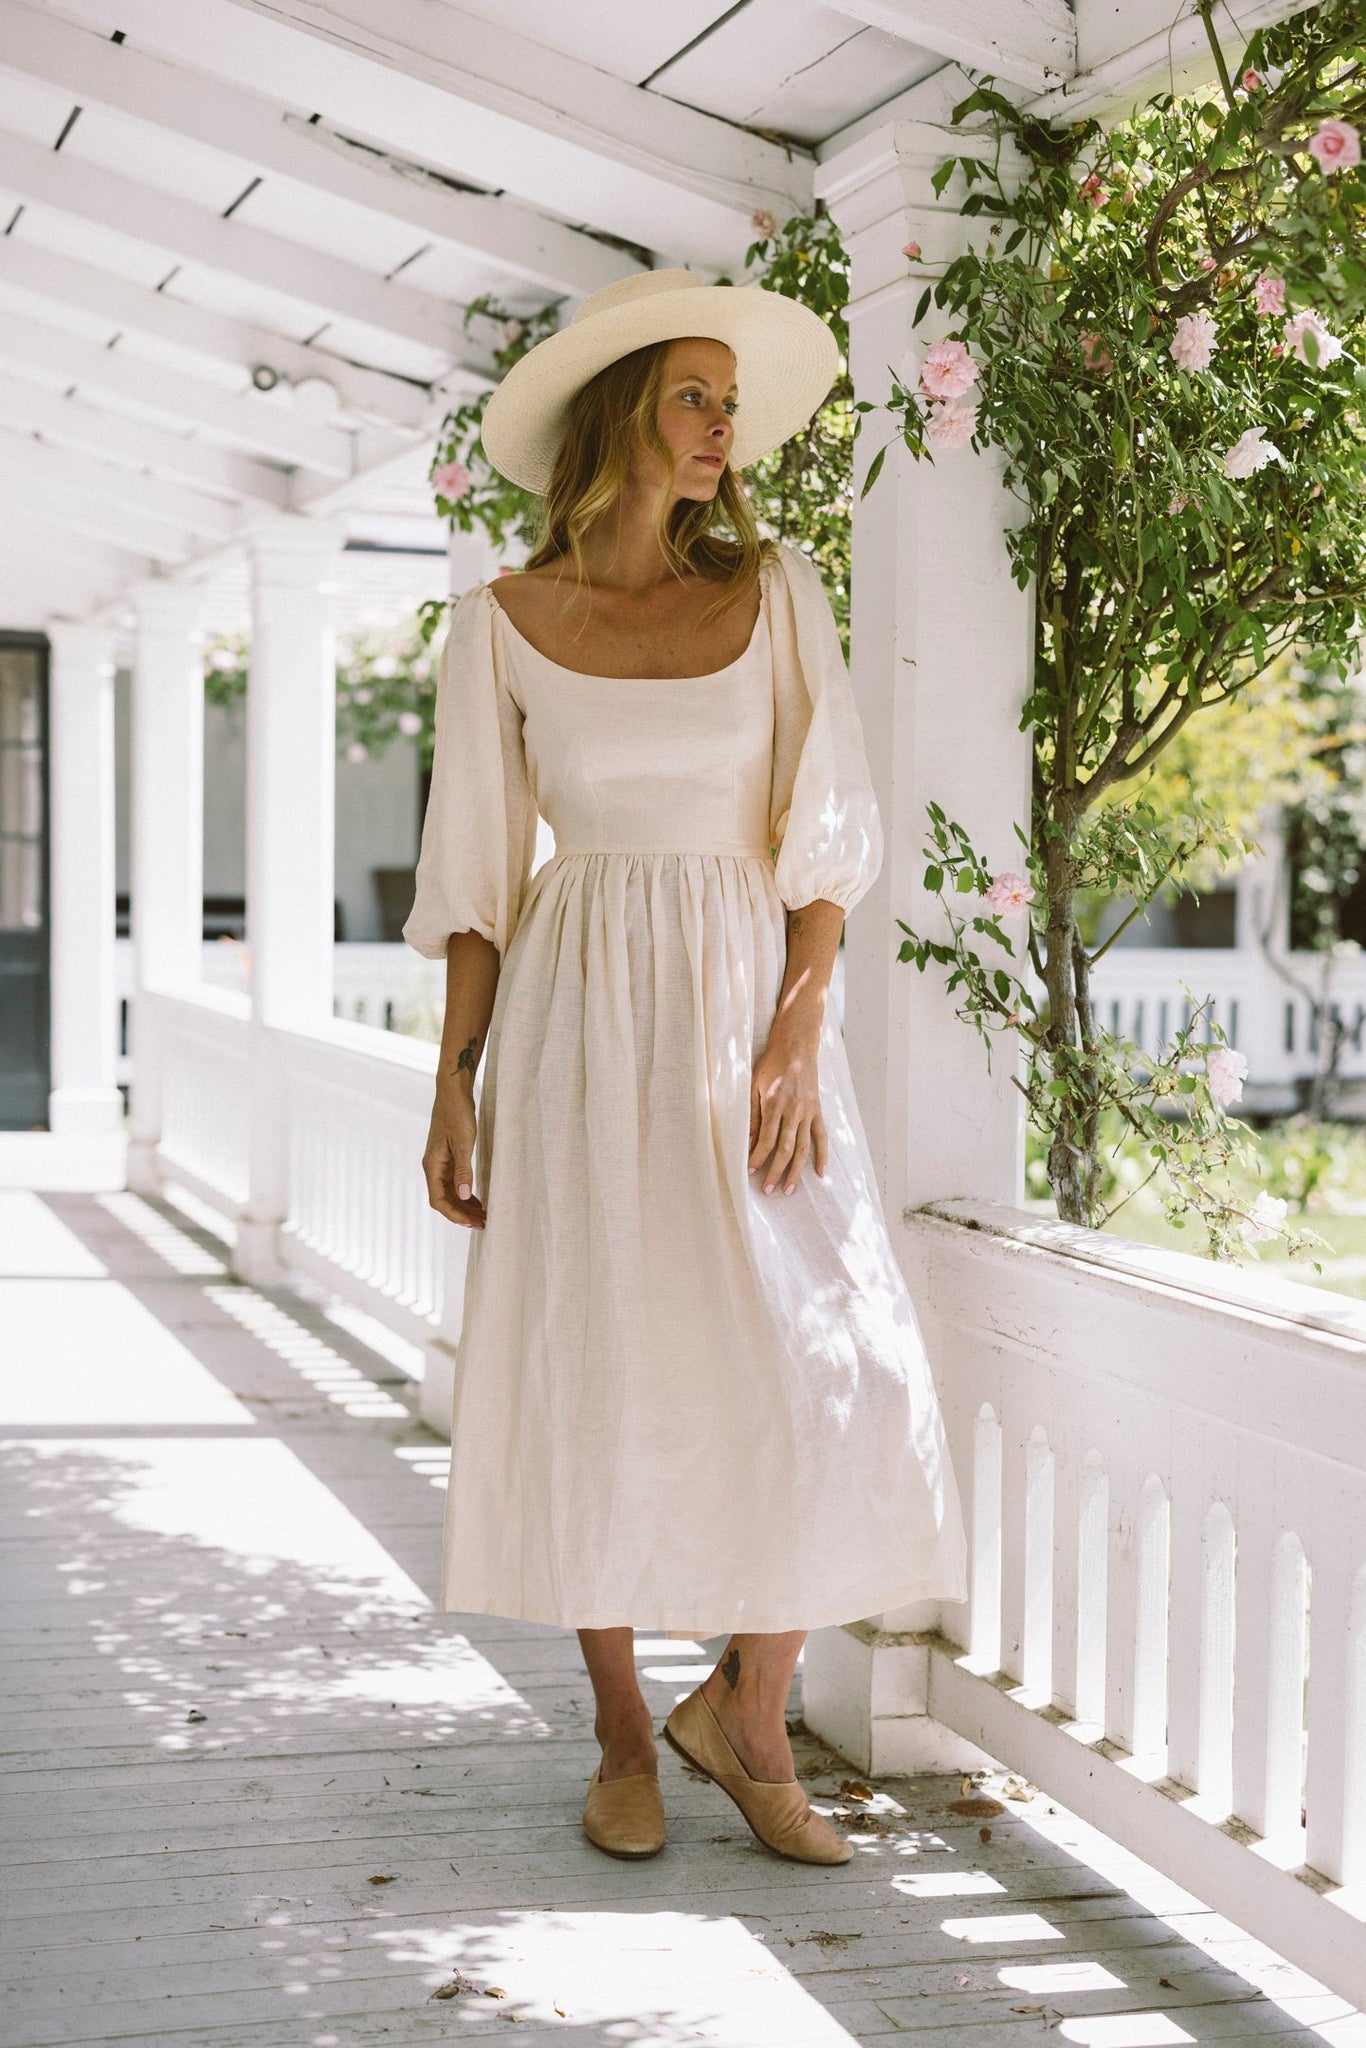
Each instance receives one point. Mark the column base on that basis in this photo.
(82, 1112)
(256, 1254)
(436, 1397)
(865, 1691)
(144, 1166)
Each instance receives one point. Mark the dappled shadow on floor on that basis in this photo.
(264, 1795)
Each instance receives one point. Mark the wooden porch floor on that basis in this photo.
(261, 1794)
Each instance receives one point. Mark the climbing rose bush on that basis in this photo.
(1160, 326)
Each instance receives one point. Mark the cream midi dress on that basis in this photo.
(680, 1404)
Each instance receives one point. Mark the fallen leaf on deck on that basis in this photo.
(976, 1809)
(457, 1984)
(984, 1834)
(960, 1979)
(195, 1715)
(382, 1880)
(854, 1788)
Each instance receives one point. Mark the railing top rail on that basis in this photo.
(1246, 1289)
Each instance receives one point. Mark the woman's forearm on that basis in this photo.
(813, 938)
(472, 964)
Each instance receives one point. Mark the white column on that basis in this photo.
(84, 1096)
(166, 836)
(941, 655)
(941, 652)
(291, 807)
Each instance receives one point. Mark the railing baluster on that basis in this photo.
(1336, 1790)
(1268, 1736)
(985, 1506)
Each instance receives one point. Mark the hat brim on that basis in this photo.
(786, 361)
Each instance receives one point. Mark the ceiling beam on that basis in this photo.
(556, 130)
(245, 419)
(1128, 54)
(369, 395)
(151, 499)
(39, 531)
(125, 206)
(1031, 43)
(68, 422)
(107, 522)
(539, 252)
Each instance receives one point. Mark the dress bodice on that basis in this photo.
(658, 763)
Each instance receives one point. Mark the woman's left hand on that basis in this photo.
(785, 1122)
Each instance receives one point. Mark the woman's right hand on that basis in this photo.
(448, 1159)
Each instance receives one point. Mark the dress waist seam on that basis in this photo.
(735, 851)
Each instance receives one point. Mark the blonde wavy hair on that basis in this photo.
(613, 413)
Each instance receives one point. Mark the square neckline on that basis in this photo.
(587, 676)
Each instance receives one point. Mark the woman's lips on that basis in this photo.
(716, 461)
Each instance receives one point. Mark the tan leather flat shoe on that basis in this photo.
(625, 1816)
(778, 1814)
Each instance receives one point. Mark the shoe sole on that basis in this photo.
(624, 1855)
(694, 1765)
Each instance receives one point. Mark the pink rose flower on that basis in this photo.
(948, 370)
(513, 330)
(1225, 1072)
(950, 424)
(1092, 189)
(1327, 345)
(409, 724)
(1250, 80)
(1336, 147)
(1194, 341)
(1009, 893)
(451, 480)
(1178, 502)
(1270, 299)
(357, 752)
(762, 221)
(911, 251)
(1267, 1215)
(1094, 354)
(1249, 453)
(1207, 263)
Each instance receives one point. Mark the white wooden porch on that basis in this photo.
(261, 1794)
(1165, 1467)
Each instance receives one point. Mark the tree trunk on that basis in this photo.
(1072, 1162)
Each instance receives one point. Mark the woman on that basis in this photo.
(690, 1393)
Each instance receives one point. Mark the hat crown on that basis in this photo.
(643, 284)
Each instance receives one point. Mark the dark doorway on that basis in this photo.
(25, 1075)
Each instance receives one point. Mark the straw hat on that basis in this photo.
(786, 361)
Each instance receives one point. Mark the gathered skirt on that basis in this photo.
(680, 1403)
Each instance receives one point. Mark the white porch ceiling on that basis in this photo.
(322, 186)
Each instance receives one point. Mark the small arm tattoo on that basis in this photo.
(468, 1057)
(794, 923)
(730, 1670)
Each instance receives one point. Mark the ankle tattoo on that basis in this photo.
(730, 1670)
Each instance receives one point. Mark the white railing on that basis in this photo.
(360, 1102)
(356, 1108)
(388, 986)
(1164, 1468)
(201, 1044)
(1139, 994)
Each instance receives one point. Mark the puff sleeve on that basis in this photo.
(479, 833)
(824, 818)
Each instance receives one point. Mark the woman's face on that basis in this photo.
(695, 418)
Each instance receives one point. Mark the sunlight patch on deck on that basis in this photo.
(36, 1243)
(93, 1354)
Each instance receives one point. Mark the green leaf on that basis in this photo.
(934, 880)
(874, 472)
(922, 306)
(966, 882)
